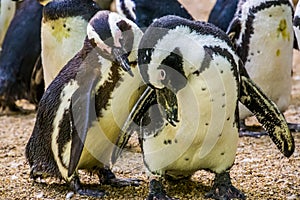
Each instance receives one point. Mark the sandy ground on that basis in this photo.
(260, 171)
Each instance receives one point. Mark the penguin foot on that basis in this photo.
(157, 192)
(294, 127)
(75, 185)
(223, 188)
(256, 134)
(107, 177)
(13, 109)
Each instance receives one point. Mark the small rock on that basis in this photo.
(69, 195)
(292, 197)
(39, 195)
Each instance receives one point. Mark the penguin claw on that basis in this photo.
(157, 192)
(91, 193)
(116, 182)
(223, 188)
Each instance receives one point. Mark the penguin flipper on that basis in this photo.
(268, 115)
(82, 113)
(234, 29)
(133, 121)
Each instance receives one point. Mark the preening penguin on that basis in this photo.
(196, 62)
(262, 32)
(63, 31)
(144, 12)
(20, 50)
(80, 114)
(7, 12)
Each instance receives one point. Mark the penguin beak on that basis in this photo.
(122, 59)
(168, 105)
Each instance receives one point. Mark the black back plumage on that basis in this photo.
(62, 9)
(20, 51)
(38, 149)
(222, 13)
(147, 11)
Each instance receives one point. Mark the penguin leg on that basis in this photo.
(157, 191)
(107, 177)
(251, 131)
(223, 188)
(76, 186)
(294, 127)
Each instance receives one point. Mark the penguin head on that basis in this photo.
(126, 8)
(164, 53)
(115, 37)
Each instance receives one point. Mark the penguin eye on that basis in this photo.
(162, 74)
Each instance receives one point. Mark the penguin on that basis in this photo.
(20, 52)
(7, 12)
(296, 23)
(222, 13)
(266, 50)
(80, 114)
(198, 80)
(62, 31)
(144, 12)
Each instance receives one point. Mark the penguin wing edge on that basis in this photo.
(83, 114)
(268, 115)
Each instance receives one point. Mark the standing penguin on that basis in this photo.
(81, 112)
(20, 51)
(196, 63)
(7, 12)
(63, 30)
(144, 12)
(262, 32)
(296, 24)
(222, 13)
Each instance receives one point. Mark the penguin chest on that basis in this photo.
(206, 135)
(60, 40)
(270, 50)
(103, 134)
(7, 12)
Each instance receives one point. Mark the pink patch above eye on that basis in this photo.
(162, 74)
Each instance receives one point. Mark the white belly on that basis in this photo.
(206, 136)
(61, 40)
(7, 12)
(269, 63)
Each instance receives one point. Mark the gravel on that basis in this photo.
(260, 170)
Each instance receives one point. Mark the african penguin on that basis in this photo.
(63, 31)
(296, 23)
(7, 12)
(222, 13)
(144, 12)
(82, 110)
(21, 50)
(198, 79)
(262, 32)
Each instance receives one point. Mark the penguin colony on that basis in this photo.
(178, 85)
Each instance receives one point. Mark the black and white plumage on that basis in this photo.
(20, 51)
(81, 112)
(7, 12)
(63, 31)
(296, 24)
(144, 12)
(196, 63)
(222, 13)
(262, 32)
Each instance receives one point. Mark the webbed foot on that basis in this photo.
(75, 185)
(107, 177)
(223, 188)
(157, 192)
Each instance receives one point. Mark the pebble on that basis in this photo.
(69, 195)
